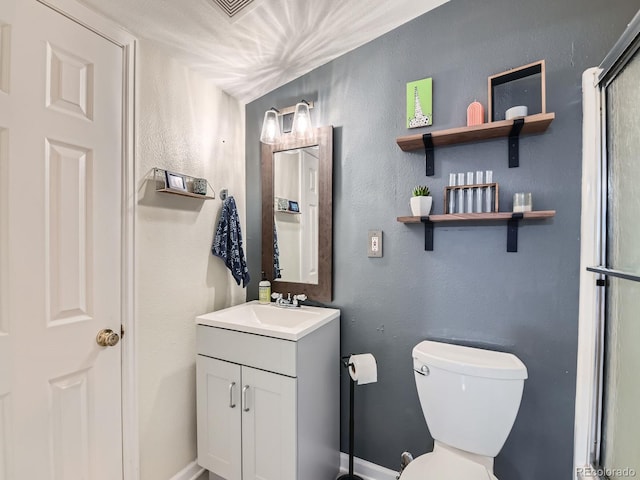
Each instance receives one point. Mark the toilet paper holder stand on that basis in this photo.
(352, 383)
(345, 361)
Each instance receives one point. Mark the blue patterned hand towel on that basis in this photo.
(227, 243)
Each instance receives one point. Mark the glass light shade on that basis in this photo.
(301, 127)
(270, 128)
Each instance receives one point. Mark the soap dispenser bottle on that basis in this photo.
(264, 290)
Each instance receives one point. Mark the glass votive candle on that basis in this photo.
(522, 202)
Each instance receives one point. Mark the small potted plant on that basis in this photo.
(421, 201)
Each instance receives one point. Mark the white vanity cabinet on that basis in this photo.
(267, 407)
(250, 423)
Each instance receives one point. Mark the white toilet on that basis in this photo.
(470, 398)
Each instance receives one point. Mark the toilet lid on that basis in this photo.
(432, 466)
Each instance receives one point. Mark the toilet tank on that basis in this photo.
(469, 396)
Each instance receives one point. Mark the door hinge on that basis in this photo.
(121, 331)
(601, 282)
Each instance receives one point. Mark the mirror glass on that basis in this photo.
(295, 205)
(297, 214)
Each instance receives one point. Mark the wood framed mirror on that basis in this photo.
(297, 215)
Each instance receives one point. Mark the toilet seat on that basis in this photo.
(445, 465)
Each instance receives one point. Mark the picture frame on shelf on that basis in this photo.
(175, 181)
(281, 204)
(293, 206)
(520, 86)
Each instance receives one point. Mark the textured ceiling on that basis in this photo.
(265, 45)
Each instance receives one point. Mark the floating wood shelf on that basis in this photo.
(512, 218)
(477, 217)
(532, 124)
(504, 128)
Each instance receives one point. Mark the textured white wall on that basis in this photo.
(184, 124)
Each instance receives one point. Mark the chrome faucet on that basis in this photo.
(288, 302)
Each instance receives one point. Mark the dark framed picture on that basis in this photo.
(175, 181)
(293, 206)
(521, 86)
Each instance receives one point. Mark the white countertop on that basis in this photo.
(269, 320)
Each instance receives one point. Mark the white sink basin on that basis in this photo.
(269, 320)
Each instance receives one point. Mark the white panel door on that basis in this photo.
(310, 200)
(6, 399)
(269, 447)
(218, 412)
(61, 91)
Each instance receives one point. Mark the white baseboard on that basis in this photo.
(366, 470)
(193, 471)
(362, 468)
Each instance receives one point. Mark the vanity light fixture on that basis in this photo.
(302, 127)
(270, 127)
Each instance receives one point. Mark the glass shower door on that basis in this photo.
(620, 448)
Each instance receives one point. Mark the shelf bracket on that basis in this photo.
(427, 140)
(512, 231)
(514, 143)
(428, 234)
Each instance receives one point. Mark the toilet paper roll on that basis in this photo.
(363, 368)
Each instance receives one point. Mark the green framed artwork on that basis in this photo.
(419, 103)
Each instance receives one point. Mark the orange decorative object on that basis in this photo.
(475, 114)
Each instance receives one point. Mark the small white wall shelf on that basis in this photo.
(287, 212)
(160, 179)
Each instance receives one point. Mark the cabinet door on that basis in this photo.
(268, 426)
(219, 417)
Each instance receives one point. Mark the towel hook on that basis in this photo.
(223, 194)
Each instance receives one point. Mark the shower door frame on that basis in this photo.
(593, 270)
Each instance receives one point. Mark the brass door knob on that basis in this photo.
(107, 338)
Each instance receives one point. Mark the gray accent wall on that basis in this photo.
(468, 290)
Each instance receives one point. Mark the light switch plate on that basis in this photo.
(374, 247)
